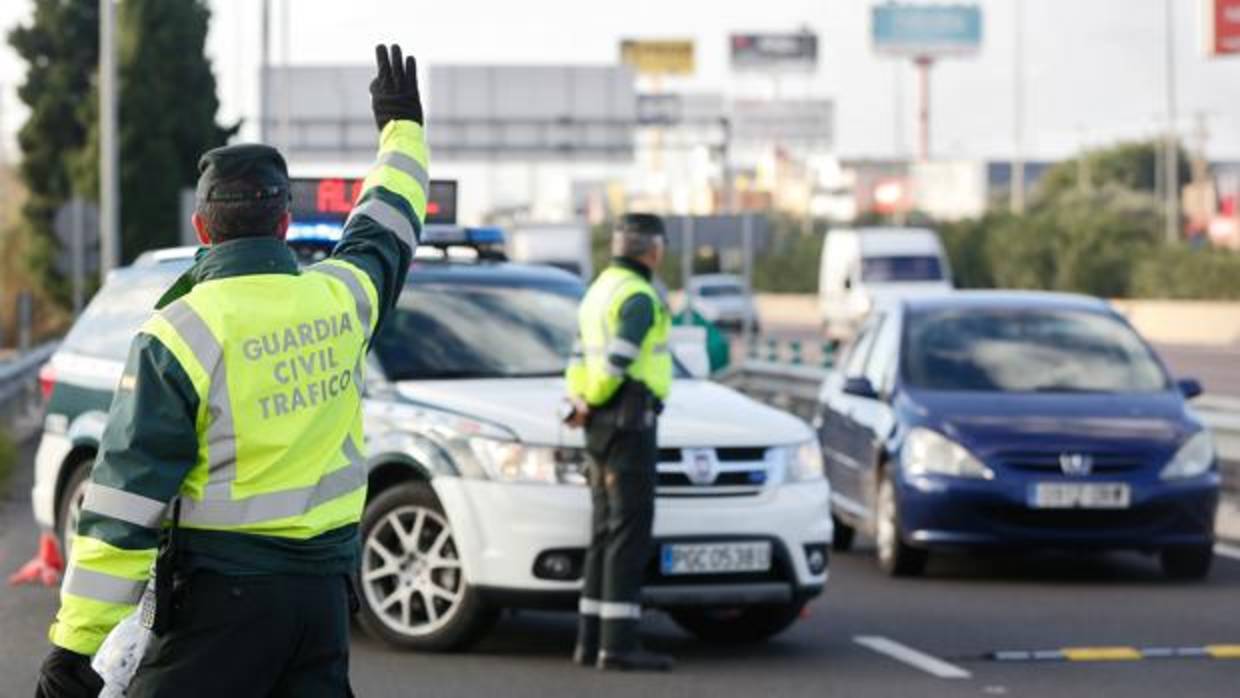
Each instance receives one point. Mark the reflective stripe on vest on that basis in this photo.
(387, 216)
(123, 506)
(364, 310)
(80, 581)
(283, 504)
(221, 428)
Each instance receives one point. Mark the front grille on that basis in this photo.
(738, 472)
(1042, 462)
(1097, 521)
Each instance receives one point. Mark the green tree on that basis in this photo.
(1086, 242)
(1133, 165)
(168, 106)
(61, 49)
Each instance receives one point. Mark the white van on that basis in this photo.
(865, 266)
(563, 245)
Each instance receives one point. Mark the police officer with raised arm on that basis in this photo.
(236, 430)
(617, 380)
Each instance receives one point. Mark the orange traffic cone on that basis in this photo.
(45, 567)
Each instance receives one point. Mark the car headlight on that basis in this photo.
(513, 461)
(928, 452)
(803, 462)
(1194, 458)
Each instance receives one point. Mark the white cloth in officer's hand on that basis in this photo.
(117, 660)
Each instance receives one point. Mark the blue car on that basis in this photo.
(997, 419)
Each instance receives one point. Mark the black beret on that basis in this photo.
(641, 224)
(245, 172)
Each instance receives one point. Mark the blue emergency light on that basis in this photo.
(458, 236)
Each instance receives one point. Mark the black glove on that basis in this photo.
(67, 674)
(394, 91)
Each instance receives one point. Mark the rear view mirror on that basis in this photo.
(860, 386)
(1190, 387)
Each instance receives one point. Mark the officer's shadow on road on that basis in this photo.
(552, 635)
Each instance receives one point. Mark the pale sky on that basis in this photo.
(1095, 69)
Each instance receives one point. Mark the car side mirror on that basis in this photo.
(860, 386)
(1190, 387)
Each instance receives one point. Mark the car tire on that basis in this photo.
(1187, 561)
(69, 508)
(895, 557)
(844, 537)
(411, 585)
(737, 626)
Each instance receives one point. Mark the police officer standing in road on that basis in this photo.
(236, 431)
(618, 378)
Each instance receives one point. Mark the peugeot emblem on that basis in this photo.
(1078, 464)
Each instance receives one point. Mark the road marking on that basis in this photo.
(1122, 653)
(1226, 550)
(1102, 654)
(916, 658)
(1223, 651)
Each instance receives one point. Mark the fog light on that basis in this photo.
(560, 565)
(816, 558)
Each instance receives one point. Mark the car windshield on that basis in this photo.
(1035, 350)
(469, 329)
(720, 290)
(901, 268)
(109, 323)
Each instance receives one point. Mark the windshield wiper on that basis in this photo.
(1068, 389)
(449, 375)
(535, 374)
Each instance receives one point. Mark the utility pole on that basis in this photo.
(286, 87)
(109, 195)
(264, 66)
(923, 64)
(1018, 110)
(1171, 177)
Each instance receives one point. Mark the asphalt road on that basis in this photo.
(963, 610)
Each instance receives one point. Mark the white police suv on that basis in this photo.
(477, 497)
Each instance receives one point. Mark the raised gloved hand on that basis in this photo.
(394, 91)
(67, 674)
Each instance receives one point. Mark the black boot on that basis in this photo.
(634, 660)
(586, 651)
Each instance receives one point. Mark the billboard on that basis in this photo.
(1221, 27)
(498, 113)
(801, 121)
(926, 30)
(536, 112)
(787, 51)
(659, 56)
(677, 109)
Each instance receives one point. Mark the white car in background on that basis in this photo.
(477, 499)
(724, 300)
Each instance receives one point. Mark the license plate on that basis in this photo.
(716, 558)
(1061, 495)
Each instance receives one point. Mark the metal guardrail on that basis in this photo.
(795, 388)
(20, 397)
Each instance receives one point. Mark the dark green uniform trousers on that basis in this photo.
(622, 487)
(270, 636)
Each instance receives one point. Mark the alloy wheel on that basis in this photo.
(411, 572)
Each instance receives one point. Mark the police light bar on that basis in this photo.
(315, 232)
(457, 236)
